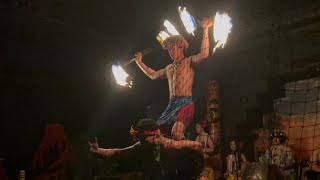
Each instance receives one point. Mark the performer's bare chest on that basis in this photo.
(179, 70)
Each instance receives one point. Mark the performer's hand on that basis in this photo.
(94, 146)
(138, 57)
(206, 23)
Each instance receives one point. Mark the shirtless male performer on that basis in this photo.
(180, 74)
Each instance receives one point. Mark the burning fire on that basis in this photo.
(163, 35)
(121, 76)
(188, 20)
(171, 29)
(222, 28)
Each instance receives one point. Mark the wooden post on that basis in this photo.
(214, 120)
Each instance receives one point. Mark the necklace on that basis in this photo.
(175, 64)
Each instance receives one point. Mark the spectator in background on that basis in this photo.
(314, 172)
(236, 162)
(51, 159)
(208, 148)
(3, 175)
(280, 155)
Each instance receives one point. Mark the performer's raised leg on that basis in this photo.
(178, 130)
(182, 120)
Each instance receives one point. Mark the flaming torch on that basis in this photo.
(222, 28)
(171, 29)
(187, 20)
(121, 76)
(163, 35)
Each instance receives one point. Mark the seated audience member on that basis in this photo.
(207, 144)
(236, 162)
(52, 156)
(280, 155)
(314, 172)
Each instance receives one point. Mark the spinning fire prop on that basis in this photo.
(187, 20)
(121, 76)
(163, 35)
(171, 29)
(222, 28)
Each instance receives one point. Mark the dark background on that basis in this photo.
(54, 56)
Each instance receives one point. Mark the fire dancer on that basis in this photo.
(180, 74)
(161, 157)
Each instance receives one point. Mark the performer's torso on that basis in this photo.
(180, 78)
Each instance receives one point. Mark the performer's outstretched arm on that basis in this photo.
(173, 144)
(204, 53)
(152, 74)
(94, 147)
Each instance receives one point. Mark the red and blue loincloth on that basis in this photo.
(180, 108)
